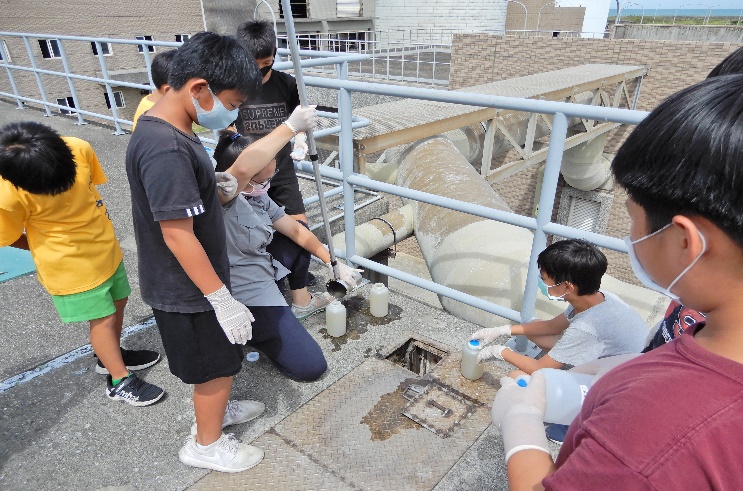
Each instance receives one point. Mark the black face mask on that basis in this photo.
(266, 69)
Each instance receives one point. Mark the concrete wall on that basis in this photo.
(717, 34)
(97, 18)
(448, 15)
(552, 18)
(482, 58)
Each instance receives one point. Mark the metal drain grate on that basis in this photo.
(438, 410)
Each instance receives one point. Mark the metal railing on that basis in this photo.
(541, 225)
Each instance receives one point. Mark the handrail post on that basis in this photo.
(70, 83)
(39, 82)
(345, 156)
(111, 98)
(544, 215)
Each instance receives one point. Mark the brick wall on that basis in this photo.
(482, 58)
(96, 18)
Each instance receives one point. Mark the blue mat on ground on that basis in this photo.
(15, 262)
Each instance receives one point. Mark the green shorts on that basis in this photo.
(96, 303)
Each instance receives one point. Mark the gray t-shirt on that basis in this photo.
(607, 329)
(253, 271)
(171, 177)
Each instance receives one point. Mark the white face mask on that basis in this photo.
(643, 275)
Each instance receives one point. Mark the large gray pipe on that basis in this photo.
(482, 257)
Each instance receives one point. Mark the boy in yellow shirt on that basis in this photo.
(160, 69)
(50, 206)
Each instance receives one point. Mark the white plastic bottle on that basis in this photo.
(335, 318)
(565, 393)
(379, 298)
(470, 368)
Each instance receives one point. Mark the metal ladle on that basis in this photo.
(335, 286)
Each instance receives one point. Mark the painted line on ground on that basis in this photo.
(65, 359)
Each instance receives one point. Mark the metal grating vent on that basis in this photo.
(584, 214)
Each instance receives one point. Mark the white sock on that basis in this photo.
(204, 447)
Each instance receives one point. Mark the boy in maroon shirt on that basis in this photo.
(671, 418)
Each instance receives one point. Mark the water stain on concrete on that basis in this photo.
(385, 418)
(359, 319)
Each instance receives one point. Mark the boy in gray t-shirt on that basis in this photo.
(596, 324)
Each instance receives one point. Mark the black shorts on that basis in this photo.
(287, 194)
(197, 348)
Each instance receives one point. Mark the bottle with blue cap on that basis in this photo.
(470, 368)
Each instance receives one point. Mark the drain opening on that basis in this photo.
(417, 356)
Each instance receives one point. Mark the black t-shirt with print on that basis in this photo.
(171, 177)
(263, 114)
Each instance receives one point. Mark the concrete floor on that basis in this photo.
(59, 431)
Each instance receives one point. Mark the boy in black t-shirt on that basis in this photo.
(277, 99)
(183, 264)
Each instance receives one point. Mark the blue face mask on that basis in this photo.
(643, 275)
(545, 290)
(218, 118)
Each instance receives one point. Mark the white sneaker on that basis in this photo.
(317, 304)
(239, 412)
(225, 455)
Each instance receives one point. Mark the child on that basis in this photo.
(670, 418)
(277, 99)
(47, 188)
(250, 220)
(160, 67)
(183, 264)
(595, 325)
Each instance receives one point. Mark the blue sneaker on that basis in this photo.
(556, 433)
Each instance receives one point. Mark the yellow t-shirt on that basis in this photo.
(144, 105)
(69, 235)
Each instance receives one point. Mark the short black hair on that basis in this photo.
(220, 60)
(258, 37)
(229, 146)
(732, 64)
(160, 67)
(576, 261)
(33, 157)
(686, 157)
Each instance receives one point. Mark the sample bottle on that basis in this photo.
(335, 318)
(470, 368)
(565, 392)
(379, 299)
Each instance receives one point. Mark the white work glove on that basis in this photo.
(519, 413)
(490, 353)
(490, 334)
(302, 119)
(299, 152)
(226, 184)
(346, 273)
(234, 317)
(602, 366)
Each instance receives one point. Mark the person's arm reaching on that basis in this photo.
(257, 155)
(234, 317)
(307, 240)
(519, 413)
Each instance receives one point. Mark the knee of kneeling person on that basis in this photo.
(312, 369)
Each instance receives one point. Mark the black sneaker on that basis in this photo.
(133, 390)
(133, 359)
(556, 433)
